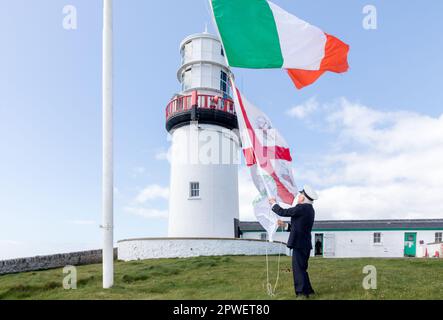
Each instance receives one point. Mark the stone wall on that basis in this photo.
(51, 261)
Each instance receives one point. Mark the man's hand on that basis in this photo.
(281, 224)
(272, 201)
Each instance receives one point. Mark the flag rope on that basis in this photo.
(272, 290)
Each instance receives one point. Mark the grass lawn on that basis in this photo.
(241, 278)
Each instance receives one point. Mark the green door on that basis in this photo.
(410, 242)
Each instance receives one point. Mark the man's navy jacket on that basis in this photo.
(302, 220)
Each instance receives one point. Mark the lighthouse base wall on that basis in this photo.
(158, 248)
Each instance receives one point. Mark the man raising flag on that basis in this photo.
(269, 158)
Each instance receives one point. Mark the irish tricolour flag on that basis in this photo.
(259, 34)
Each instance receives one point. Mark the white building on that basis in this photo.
(370, 238)
(204, 154)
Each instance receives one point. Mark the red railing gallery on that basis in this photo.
(185, 103)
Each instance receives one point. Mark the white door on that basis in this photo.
(329, 245)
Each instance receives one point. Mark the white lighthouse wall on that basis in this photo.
(212, 214)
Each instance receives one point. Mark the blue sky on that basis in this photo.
(50, 114)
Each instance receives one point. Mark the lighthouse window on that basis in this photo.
(186, 79)
(224, 82)
(438, 237)
(187, 52)
(194, 191)
(222, 52)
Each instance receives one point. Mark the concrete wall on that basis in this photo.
(142, 249)
(51, 261)
(359, 244)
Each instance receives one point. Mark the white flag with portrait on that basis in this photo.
(268, 156)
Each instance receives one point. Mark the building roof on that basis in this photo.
(342, 225)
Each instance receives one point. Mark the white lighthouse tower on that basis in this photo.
(204, 155)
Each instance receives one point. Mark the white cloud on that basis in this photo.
(388, 165)
(152, 192)
(163, 155)
(143, 203)
(304, 110)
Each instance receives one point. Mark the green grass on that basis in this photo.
(241, 278)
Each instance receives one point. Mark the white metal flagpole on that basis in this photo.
(108, 179)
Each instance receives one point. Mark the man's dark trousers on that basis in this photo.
(300, 258)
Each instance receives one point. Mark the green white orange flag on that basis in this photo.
(259, 34)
